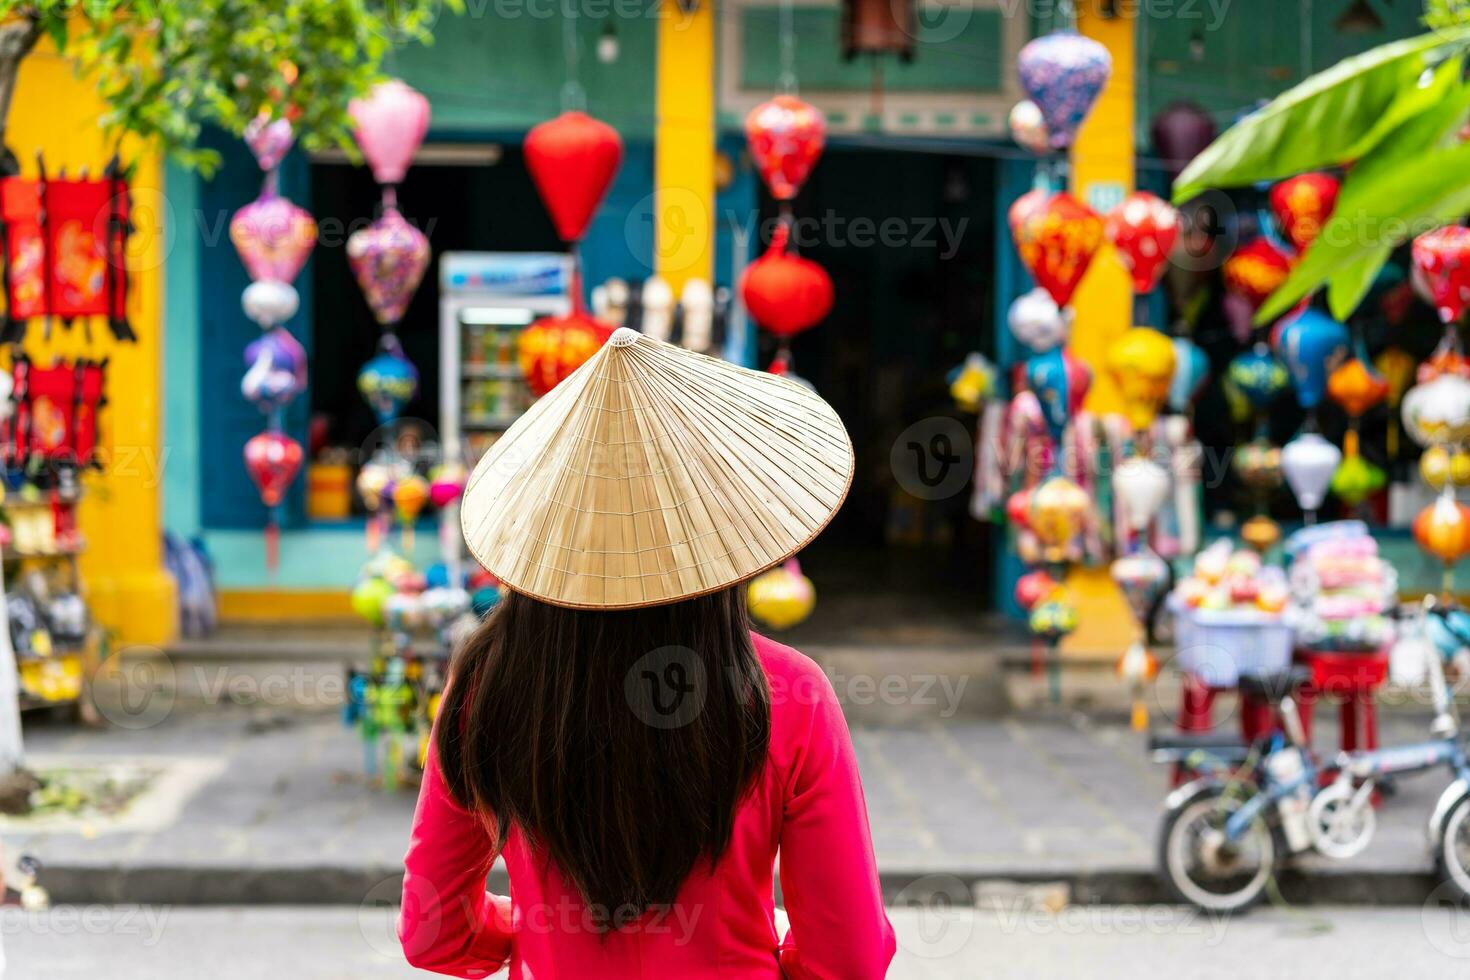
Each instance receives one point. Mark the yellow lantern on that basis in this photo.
(1142, 364)
(1058, 513)
(782, 597)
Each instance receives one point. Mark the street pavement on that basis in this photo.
(265, 806)
(1141, 943)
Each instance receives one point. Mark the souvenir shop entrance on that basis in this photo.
(913, 271)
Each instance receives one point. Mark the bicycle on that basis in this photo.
(1253, 806)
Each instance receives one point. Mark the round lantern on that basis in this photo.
(1142, 364)
(272, 459)
(1311, 344)
(1037, 322)
(1443, 529)
(1143, 230)
(1255, 271)
(388, 382)
(1258, 464)
(1028, 128)
(1033, 587)
(1258, 376)
(1438, 412)
(1060, 381)
(1056, 241)
(1191, 371)
(1442, 263)
(275, 370)
(1356, 387)
(1058, 513)
(786, 136)
(551, 349)
(1180, 133)
(1308, 462)
(572, 160)
(1302, 205)
(786, 294)
(269, 140)
(782, 597)
(1142, 486)
(1053, 618)
(388, 259)
(269, 303)
(273, 237)
(1063, 74)
(389, 126)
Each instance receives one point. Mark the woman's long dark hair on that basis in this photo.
(619, 742)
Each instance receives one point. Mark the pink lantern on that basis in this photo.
(269, 139)
(390, 125)
(388, 258)
(273, 237)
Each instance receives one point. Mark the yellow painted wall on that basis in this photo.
(684, 145)
(1103, 155)
(127, 587)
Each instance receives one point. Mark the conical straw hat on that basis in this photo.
(654, 474)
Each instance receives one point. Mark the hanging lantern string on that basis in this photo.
(573, 95)
(787, 81)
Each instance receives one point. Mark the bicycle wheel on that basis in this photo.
(1454, 848)
(1205, 869)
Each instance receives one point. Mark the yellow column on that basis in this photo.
(127, 587)
(684, 144)
(1102, 167)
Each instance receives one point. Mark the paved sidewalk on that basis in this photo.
(272, 807)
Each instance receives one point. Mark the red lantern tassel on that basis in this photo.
(272, 546)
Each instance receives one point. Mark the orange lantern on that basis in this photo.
(1255, 271)
(1057, 240)
(1356, 386)
(1443, 529)
(1302, 205)
(552, 348)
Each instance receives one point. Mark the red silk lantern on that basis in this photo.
(786, 136)
(1032, 587)
(1442, 259)
(572, 160)
(1032, 200)
(1143, 228)
(1057, 241)
(552, 348)
(1018, 509)
(272, 460)
(1302, 205)
(1255, 271)
(786, 294)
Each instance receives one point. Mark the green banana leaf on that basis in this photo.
(1331, 118)
(1412, 180)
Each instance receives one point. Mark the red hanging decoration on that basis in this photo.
(1057, 241)
(1143, 228)
(572, 160)
(1255, 271)
(1302, 205)
(1442, 260)
(786, 294)
(64, 250)
(272, 459)
(786, 136)
(551, 349)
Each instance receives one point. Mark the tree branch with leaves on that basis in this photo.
(1394, 118)
(168, 68)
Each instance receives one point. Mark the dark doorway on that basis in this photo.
(908, 238)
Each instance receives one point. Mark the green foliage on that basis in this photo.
(1395, 114)
(167, 68)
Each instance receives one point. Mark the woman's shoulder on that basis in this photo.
(798, 686)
